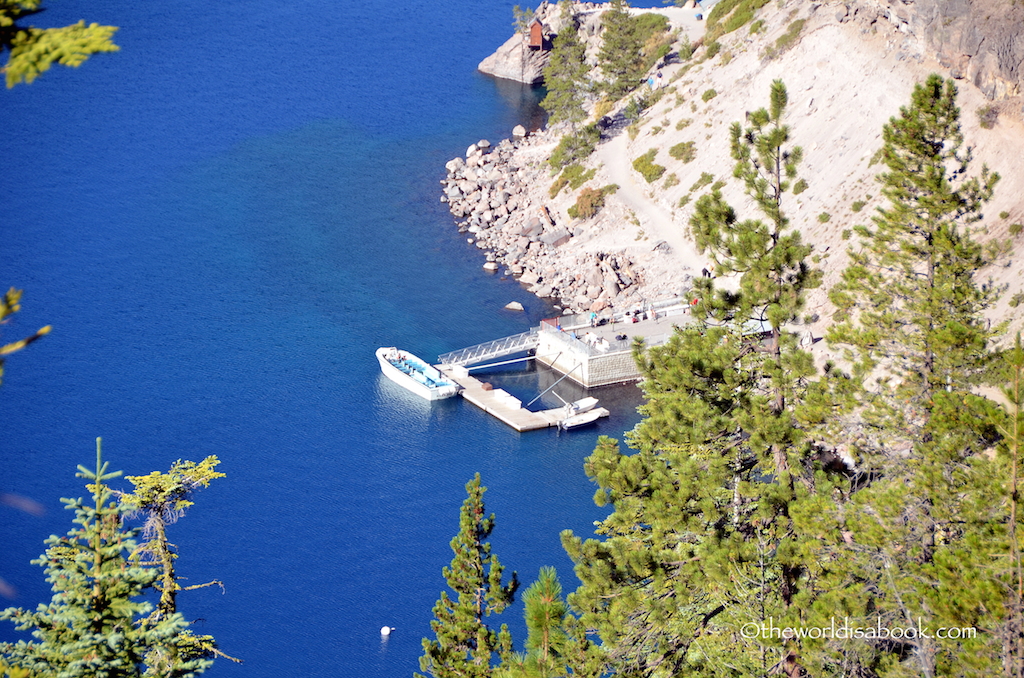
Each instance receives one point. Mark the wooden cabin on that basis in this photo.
(536, 34)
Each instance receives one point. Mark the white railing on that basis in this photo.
(523, 341)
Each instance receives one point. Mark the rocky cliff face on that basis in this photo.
(515, 60)
(981, 41)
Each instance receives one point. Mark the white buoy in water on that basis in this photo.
(386, 630)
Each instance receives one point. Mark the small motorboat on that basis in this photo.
(582, 419)
(416, 375)
(581, 405)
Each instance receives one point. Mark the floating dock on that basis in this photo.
(503, 405)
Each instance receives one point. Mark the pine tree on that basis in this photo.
(463, 643)
(619, 58)
(91, 628)
(566, 76)
(556, 644)
(33, 50)
(910, 321)
(724, 516)
(161, 498)
(1009, 420)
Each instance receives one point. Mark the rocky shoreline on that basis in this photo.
(497, 195)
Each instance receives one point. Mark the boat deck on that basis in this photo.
(503, 405)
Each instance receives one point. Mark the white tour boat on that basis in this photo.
(418, 376)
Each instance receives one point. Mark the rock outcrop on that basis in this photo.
(493, 195)
(981, 41)
(516, 60)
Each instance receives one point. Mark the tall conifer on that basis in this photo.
(723, 519)
(910, 321)
(463, 643)
(620, 56)
(566, 76)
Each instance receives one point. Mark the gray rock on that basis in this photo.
(556, 238)
(516, 61)
(530, 278)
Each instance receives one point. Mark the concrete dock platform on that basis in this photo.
(501, 404)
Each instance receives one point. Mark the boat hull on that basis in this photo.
(581, 419)
(415, 375)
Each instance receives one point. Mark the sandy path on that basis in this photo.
(655, 220)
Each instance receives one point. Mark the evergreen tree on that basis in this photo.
(556, 644)
(630, 46)
(463, 643)
(724, 517)
(619, 58)
(910, 321)
(90, 628)
(567, 74)
(33, 50)
(161, 498)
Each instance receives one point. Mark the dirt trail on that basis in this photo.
(655, 220)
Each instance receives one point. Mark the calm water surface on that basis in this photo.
(222, 222)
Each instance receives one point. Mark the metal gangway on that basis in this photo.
(517, 343)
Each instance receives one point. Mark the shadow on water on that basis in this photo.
(525, 99)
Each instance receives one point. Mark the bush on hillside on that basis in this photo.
(575, 147)
(647, 168)
(684, 151)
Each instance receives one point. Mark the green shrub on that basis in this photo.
(684, 151)
(558, 185)
(709, 95)
(578, 176)
(575, 147)
(1016, 229)
(1004, 215)
(574, 176)
(685, 48)
(705, 179)
(846, 234)
(756, 27)
(714, 47)
(799, 187)
(1017, 299)
(683, 124)
(590, 201)
(717, 186)
(728, 15)
(633, 130)
(824, 217)
(788, 39)
(670, 181)
(685, 199)
(858, 205)
(647, 168)
(987, 116)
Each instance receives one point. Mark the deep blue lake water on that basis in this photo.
(222, 221)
